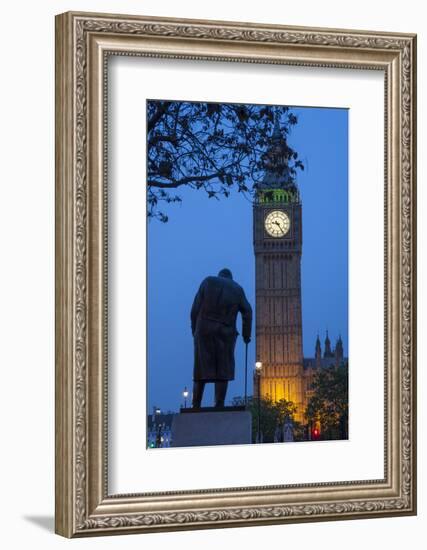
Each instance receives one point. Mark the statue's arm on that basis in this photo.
(196, 307)
(246, 312)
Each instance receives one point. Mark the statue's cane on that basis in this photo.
(246, 374)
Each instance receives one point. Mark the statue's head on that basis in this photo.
(225, 273)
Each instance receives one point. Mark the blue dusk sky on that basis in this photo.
(204, 235)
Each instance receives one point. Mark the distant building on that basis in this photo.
(159, 430)
(277, 239)
(330, 358)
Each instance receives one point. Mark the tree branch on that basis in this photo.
(158, 115)
(182, 181)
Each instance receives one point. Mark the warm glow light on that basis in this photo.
(258, 366)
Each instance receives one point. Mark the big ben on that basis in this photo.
(277, 237)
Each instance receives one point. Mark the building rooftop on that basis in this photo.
(325, 362)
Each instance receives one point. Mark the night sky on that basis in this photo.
(204, 235)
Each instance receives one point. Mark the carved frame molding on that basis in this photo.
(83, 43)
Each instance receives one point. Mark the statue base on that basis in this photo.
(212, 426)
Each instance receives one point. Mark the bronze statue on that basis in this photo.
(213, 324)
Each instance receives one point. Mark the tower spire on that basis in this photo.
(318, 352)
(328, 350)
(276, 160)
(276, 135)
(339, 351)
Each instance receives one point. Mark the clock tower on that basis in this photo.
(277, 237)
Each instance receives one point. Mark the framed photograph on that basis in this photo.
(235, 274)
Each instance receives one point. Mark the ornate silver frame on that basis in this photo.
(83, 42)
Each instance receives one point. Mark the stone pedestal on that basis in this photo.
(210, 426)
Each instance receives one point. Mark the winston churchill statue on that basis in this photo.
(213, 324)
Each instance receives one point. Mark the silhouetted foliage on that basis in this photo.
(273, 415)
(214, 147)
(329, 403)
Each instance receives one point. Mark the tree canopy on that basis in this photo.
(273, 415)
(329, 402)
(212, 147)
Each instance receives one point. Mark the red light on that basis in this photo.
(316, 432)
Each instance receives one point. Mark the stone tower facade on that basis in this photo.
(278, 246)
(277, 238)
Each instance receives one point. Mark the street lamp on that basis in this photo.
(157, 426)
(258, 369)
(159, 438)
(185, 395)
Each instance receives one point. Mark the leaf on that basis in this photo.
(200, 138)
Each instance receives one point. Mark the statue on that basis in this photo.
(213, 324)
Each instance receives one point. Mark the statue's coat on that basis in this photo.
(213, 323)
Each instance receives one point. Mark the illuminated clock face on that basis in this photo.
(277, 223)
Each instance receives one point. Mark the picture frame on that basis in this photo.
(84, 42)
